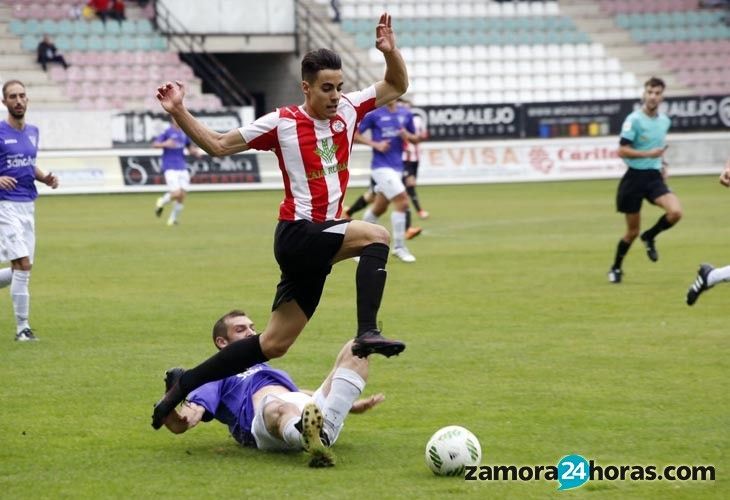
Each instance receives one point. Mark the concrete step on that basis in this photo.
(17, 61)
(31, 77)
(46, 92)
(10, 44)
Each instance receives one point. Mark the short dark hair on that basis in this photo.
(220, 329)
(9, 83)
(317, 60)
(655, 82)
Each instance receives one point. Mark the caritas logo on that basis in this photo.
(540, 160)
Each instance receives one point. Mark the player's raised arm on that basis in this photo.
(395, 82)
(214, 143)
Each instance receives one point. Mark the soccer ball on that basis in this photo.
(451, 449)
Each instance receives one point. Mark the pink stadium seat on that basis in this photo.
(126, 58)
(91, 73)
(73, 90)
(36, 11)
(107, 73)
(86, 103)
(101, 103)
(21, 11)
(75, 74)
(90, 89)
(57, 73)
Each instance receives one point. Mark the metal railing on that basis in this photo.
(314, 32)
(206, 65)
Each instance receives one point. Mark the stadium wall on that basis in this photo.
(462, 162)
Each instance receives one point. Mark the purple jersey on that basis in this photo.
(18, 150)
(230, 400)
(174, 158)
(386, 125)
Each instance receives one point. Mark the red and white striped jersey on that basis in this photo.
(313, 154)
(411, 152)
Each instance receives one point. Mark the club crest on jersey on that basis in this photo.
(326, 151)
(338, 126)
(34, 140)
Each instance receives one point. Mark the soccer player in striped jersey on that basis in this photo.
(18, 174)
(411, 158)
(312, 142)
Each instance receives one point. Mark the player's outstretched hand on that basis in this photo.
(384, 36)
(364, 404)
(171, 95)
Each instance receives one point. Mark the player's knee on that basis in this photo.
(274, 348)
(379, 234)
(674, 215)
(632, 234)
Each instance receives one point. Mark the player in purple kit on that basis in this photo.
(263, 407)
(389, 126)
(173, 142)
(18, 173)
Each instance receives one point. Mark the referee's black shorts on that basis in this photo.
(410, 168)
(304, 251)
(637, 185)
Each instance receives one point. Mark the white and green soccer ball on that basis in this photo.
(451, 449)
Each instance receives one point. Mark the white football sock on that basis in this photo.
(718, 275)
(346, 387)
(398, 221)
(21, 298)
(163, 200)
(176, 209)
(291, 435)
(370, 217)
(6, 276)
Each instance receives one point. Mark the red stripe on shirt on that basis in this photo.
(312, 167)
(343, 158)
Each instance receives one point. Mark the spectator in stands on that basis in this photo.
(75, 10)
(118, 11)
(47, 52)
(101, 8)
(335, 4)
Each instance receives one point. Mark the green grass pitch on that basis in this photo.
(512, 328)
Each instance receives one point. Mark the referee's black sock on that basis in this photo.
(359, 204)
(621, 250)
(661, 225)
(370, 283)
(233, 359)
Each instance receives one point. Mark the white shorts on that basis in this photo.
(177, 179)
(264, 440)
(17, 230)
(388, 181)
